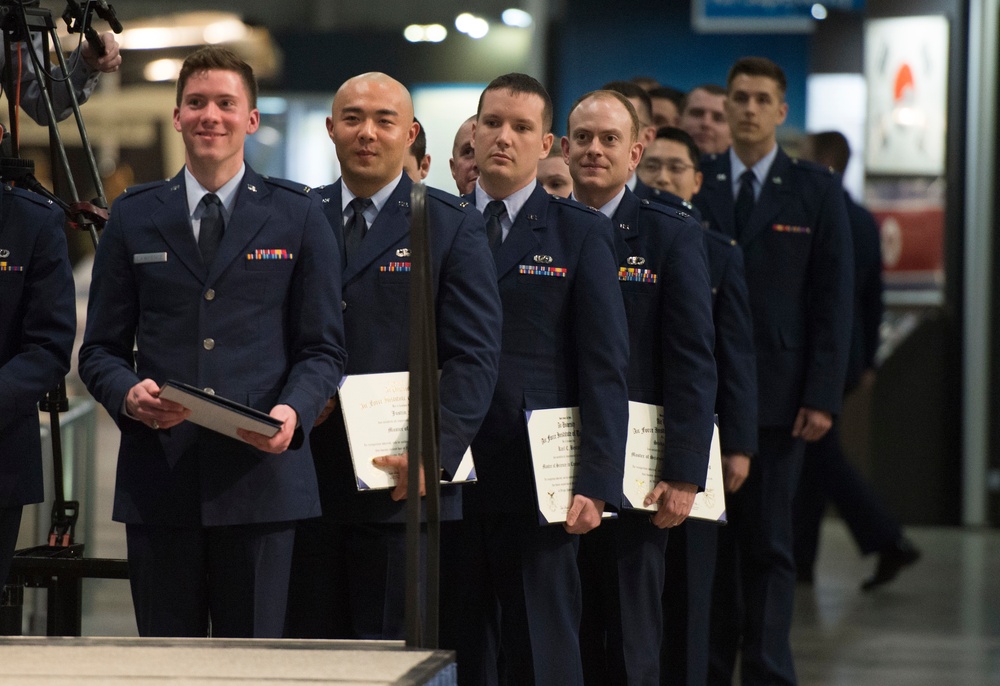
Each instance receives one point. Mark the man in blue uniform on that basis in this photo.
(826, 474)
(564, 344)
(222, 279)
(791, 222)
(673, 167)
(348, 574)
(664, 282)
(37, 326)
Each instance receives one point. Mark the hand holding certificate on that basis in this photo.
(643, 455)
(220, 414)
(376, 409)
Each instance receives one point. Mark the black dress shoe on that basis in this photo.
(891, 561)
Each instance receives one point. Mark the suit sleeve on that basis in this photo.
(689, 374)
(601, 337)
(315, 325)
(49, 324)
(469, 317)
(107, 363)
(736, 360)
(82, 78)
(830, 303)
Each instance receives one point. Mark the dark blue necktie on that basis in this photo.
(356, 227)
(744, 203)
(494, 232)
(212, 227)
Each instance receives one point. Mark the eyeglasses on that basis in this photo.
(672, 166)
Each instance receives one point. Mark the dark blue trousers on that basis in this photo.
(621, 571)
(511, 601)
(827, 476)
(687, 603)
(10, 523)
(755, 572)
(237, 576)
(348, 581)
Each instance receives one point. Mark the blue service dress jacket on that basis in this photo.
(799, 271)
(663, 274)
(376, 303)
(261, 325)
(735, 358)
(37, 326)
(565, 344)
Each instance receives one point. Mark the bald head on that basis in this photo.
(463, 158)
(372, 126)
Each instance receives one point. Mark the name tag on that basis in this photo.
(149, 257)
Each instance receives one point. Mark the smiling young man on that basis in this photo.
(789, 217)
(348, 575)
(219, 278)
(664, 282)
(564, 344)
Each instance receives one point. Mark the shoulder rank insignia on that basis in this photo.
(403, 252)
(636, 260)
(306, 189)
(543, 259)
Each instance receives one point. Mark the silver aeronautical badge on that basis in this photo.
(635, 260)
(543, 259)
(403, 252)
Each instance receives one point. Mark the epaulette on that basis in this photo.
(576, 205)
(806, 165)
(294, 186)
(664, 208)
(449, 198)
(30, 196)
(143, 187)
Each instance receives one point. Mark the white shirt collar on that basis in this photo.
(226, 193)
(379, 198)
(759, 170)
(513, 202)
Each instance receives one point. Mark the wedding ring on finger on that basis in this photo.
(155, 424)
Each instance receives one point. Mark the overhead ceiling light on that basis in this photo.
(517, 18)
(162, 70)
(225, 31)
(819, 12)
(425, 33)
(471, 25)
(435, 33)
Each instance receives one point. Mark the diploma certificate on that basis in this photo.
(643, 454)
(376, 409)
